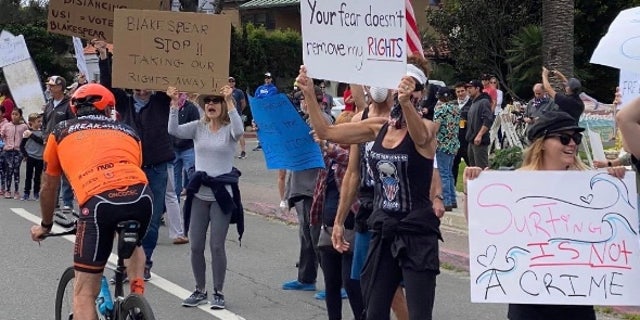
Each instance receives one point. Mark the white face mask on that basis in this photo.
(379, 95)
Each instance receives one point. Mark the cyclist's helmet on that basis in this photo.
(92, 95)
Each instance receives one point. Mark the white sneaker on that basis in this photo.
(283, 205)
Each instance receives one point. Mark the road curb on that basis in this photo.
(448, 258)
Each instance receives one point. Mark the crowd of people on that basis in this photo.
(370, 219)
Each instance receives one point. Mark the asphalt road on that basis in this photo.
(256, 270)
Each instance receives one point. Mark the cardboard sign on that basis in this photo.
(283, 134)
(355, 41)
(553, 237)
(92, 19)
(629, 86)
(189, 51)
(12, 50)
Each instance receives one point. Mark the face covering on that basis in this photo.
(379, 95)
(396, 117)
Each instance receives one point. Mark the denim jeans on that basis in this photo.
(66, 192)
(157, 176)
(183, 166)
(445, 164)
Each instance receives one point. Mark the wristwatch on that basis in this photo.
(439, 196)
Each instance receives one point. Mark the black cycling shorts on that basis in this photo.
(98, 219)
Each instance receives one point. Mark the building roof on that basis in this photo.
(264, 4)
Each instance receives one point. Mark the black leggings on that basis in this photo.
(336, 268)
(420, 286)
(34, 172)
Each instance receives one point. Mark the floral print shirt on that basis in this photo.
(448, 116)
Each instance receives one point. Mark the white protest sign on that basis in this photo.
(6, 34)
(25, 85)
(360, 42)
(620, 47)
(629, 85)
(81, 63)
(554, 237)
(595, 142)
(12, 50)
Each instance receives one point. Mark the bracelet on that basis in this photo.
(47, 226)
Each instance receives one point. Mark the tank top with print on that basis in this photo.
(402, 182)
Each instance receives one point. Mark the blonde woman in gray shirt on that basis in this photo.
(215, 137)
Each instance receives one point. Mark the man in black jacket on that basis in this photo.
(146, 112)
(464, 103)
(55, 111)
(479, 121)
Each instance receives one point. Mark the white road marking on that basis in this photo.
(156, 280)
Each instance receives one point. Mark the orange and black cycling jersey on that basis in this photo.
(96, 154)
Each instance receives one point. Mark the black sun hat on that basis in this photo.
(551, 122)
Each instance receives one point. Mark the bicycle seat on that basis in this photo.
(127, 237)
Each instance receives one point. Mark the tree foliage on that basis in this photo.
(478, 33)
(51, 53)
(525, 56)
(254, 51)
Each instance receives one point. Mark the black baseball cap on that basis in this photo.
(551, 122)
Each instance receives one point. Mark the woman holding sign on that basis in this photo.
(555, 138)
(213, 197)
(404, 244)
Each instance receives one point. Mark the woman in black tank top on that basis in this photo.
(404, 246)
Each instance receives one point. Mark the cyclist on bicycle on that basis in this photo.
(102, 159)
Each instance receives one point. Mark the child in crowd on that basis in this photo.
(11, 133)
(32, 147)
(3, 162)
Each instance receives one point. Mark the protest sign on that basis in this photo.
(553, 237)
(355, 41)
(81, 63)
(92, 19)
(25, 85)
(189, 51)
(629, 86)
(12, 50)
(284, 136)
(597, 149)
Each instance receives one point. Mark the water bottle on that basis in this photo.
(104, 302)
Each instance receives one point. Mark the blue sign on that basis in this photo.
(283, 135)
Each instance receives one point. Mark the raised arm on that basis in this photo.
(346, 133)
(546, 84)
(183, 131)
(237, 127)
(628, 120)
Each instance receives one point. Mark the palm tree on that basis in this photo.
(557, 36)
(525, 54)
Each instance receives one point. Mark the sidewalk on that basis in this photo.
(454, 251)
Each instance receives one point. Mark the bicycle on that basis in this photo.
(131, 307)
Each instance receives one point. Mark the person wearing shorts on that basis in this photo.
(102, 159)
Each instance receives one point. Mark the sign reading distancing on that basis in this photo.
(92, 19)
(189, 51)
(360, 42)
(553, 237)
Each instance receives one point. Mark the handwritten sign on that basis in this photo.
(283, 134)
(25, 85)
(629, 85)
(189, 51)
(12, 50)
(557, 237)
(355, 41)
(92, 19)
(620, 47)
(81, 63)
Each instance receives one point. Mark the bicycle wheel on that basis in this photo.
(135, 307)
(64, 296)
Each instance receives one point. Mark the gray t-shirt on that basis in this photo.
(214, 150)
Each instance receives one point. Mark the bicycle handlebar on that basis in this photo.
(70, 226)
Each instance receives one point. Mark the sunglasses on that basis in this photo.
(494, 82)
(212, 100)
(566, 138)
